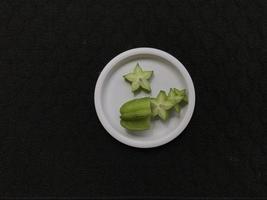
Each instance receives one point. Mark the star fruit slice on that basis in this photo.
(177, 97)
(139, 79)
(160, 105)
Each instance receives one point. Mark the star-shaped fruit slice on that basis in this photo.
(139, 79)
(176, 97)
(160, 106)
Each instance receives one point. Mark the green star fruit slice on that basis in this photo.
(181, 93)
(139, 79)
(160, 105)
(178, 98)
(174, 97)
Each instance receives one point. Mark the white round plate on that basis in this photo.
(112, 91)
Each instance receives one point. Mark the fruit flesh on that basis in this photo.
(136, 114)
(161, 105)
(139, 79)
(178, 98)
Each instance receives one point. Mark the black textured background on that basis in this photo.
(51, 141)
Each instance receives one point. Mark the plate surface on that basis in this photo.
(112, 91)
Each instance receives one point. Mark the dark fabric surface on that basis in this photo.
(51, 141)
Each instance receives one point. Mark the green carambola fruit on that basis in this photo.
(136, 109)
(139, 79)
(161, 105)
(136, 125)
(176, 96)
(135, 114)
(179, 98)
(182, 93)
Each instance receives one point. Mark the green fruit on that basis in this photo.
(185, 99)
(136, 109)
(177, 108)
(135, 114)
(178, 98)
(138, 114)
(174, 97)
(136, 125)
(161, 105)
(181, 93)
(139, 79)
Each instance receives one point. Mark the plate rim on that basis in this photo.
(113, 132)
